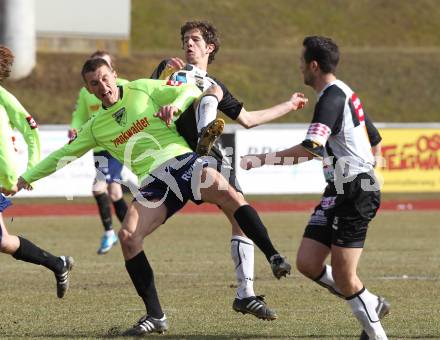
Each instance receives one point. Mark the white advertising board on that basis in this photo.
(303, 178)
(100, 18)
(75, 179)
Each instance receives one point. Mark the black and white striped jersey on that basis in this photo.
(186, 123)
(338, 132)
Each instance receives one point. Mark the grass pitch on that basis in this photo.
(196, 282)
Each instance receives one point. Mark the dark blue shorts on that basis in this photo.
(4, 203)
(171, 183)
(108, 168)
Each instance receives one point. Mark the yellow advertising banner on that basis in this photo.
(412, 160)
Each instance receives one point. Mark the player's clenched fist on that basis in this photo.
(298, 101)
(22, 184)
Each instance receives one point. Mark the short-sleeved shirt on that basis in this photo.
(338, 132)
(129, 130)
(14, 115)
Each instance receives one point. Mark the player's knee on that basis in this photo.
(216, 91)
(229, 201)
(308, 266)
(124, 236)
(304, 266)
(5, 244)
(115, 196)
(301, 265)
(129, 240)
(115, 191)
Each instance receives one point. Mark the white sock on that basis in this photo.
(326, 280)
(242, 252)
(206, 111)
(109, 233)
(363, 305)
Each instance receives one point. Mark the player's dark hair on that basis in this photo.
(323, 50)
(101, 54)
(91, 65)
(209, 34)
(6, 61)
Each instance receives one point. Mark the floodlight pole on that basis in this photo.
(17, 32)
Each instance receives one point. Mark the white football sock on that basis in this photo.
(326, 280)
(206, 111)
(363, 305)
(109, 233)
(242, 252)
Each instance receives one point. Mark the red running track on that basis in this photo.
(270, 206)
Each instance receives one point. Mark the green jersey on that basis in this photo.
(129, 130)
(86, 106)
(14, 115)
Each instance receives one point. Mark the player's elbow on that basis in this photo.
(248, 126)
(247, 121)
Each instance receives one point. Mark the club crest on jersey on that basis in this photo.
(94, 107)
(120, 117)
(32, 123)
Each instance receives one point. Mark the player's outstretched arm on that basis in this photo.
(294, 155)
(63, 156)
(250, 119)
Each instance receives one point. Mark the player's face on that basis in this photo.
(6, 62)
(5, 70)
(102, 83)
(196, 49)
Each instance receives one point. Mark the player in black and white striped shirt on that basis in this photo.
(342, 135)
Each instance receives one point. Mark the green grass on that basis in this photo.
(251, 198)
(195, 280)
(390, 52)
(282, 24)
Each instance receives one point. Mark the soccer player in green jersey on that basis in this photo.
(129, 128)
(106, 185)
(14, 115)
